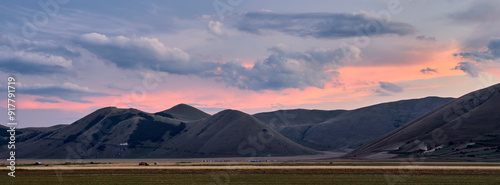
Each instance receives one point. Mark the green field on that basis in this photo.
(103, 174)
(252, 179)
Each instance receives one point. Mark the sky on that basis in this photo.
(72, 57)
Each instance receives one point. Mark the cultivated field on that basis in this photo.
(255, 173)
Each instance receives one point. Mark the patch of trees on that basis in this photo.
(101, 147)
(94, 122)
(96, 136)
(111, 121)
(151, 130)
(72, 137)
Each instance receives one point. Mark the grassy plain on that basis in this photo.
(256, 173)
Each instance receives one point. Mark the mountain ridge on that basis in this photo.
(184, 131)
(465, 128)
(179, 112)
(346, 129)
(111, 132)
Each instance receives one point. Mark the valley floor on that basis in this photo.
(257, 179)
(256, 173)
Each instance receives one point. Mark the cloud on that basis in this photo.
(494, 48)
(492, 52)
(67, 91)
(32, 63)
(215, 28)
(143, 52)
(424, 38)
(428, 70)
(390, 87)
(206, 16)
(478, 12)
(381, 92)
(114, 87)
(283, 69)
(322, 25)
(47, 100)
(469, 68)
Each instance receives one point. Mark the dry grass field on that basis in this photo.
(256, 173)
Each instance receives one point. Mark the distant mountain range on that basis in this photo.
(438, 127)
(182, 131)
(342, 129)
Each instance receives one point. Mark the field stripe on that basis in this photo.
(261, 167)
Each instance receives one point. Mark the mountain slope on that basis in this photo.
(184, 112)
(97, 135)
(294, 123)
(129, 133)
(341, 129)
(234, 133)
(466, 128)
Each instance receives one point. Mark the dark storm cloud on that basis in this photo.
(67, 91)
(469, 68)
(322, 25)
(428, 71)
